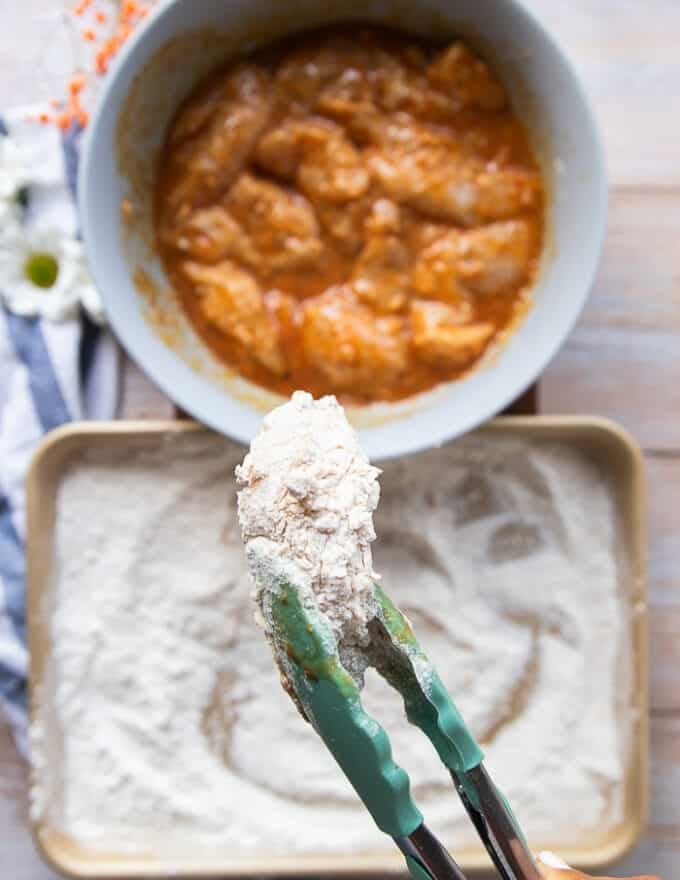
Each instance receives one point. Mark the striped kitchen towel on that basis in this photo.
(56, 366)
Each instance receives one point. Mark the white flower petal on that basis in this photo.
(92, 303)
(60, 307)
(23, 298)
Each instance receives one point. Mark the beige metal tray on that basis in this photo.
(617, 454)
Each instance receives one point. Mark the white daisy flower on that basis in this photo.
(44, 273)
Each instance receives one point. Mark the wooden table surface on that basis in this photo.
(621, 361)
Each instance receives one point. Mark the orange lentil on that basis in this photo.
(82, 7)
(44, 118)
(89, 35)
(101, 17)
(77, 84)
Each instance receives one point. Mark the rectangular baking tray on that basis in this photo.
(606, 442)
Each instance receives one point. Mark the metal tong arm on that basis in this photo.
(426, 858)
(496, 825)
(429, 707)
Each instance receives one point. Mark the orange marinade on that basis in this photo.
(352, 212)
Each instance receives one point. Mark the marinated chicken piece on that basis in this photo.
(278, 152)
(307, 73)
(318, 155)
(205, 163)
(232, 301)
(408, 91)
(491, 260)
(333, 171)
(212, 234)
(381, 274)
(355, 350)
(393, 90)
(281, 225)
(304, 72)
(466, 78)
(441, 339)
(429, 172)
(363, 80)
(350, 94)
(276, 230)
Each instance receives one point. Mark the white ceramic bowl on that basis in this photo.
(179, 45)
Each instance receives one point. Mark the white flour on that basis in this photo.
(163, 726)
(306, 507)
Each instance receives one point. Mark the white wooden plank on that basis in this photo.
(627, 58)
(663, 475)
(631, 377)
(665, 664)
(141, 399)
(623, 358)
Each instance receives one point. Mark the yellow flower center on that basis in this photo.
(41, 270)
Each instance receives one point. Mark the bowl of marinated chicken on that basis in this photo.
(400, 205)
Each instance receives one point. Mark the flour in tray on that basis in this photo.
(161, 726)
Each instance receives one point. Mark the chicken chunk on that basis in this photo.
(333, 171)
(352, 93)
(211, 149)
(211, 234)
(328, 169)
(318, 155)
(349, 345)
(344, 64)
(260, 224)
(409, 91)
(281, 225)
(432, 174)
(466, 78)
(396, 89)
(305, 72)
(381, 274)
(491, 260)
(348, 78)
(440, 339)
(232, 301)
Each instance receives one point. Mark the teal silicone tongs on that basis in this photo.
(329, 699)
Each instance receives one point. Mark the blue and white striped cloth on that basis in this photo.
(50, 373)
